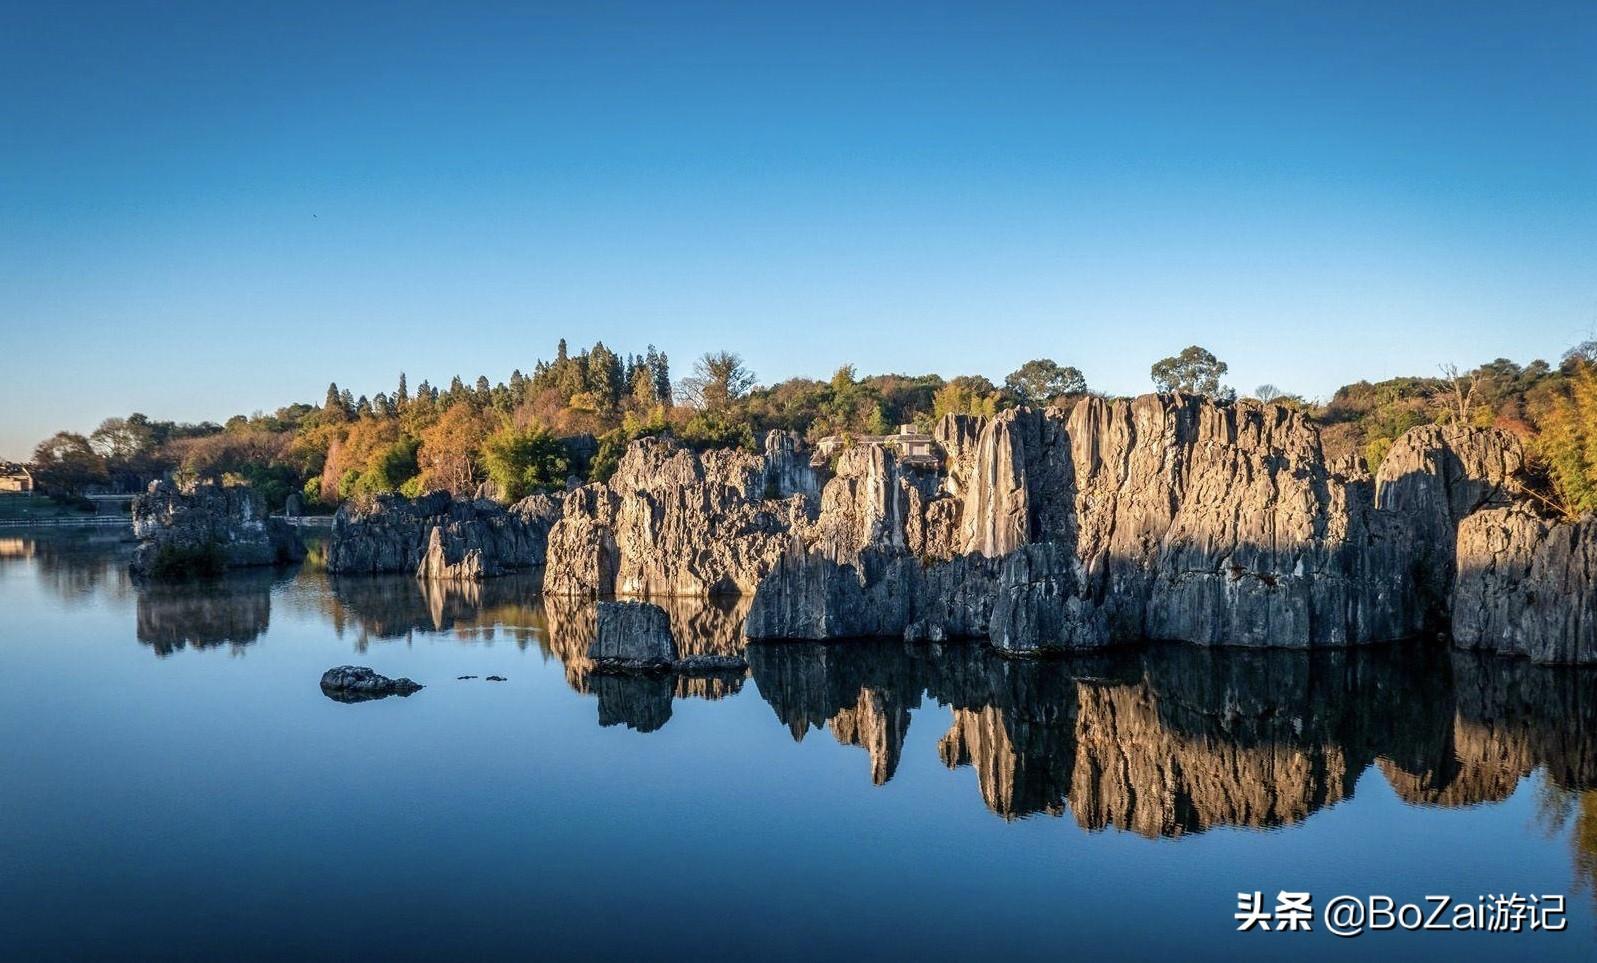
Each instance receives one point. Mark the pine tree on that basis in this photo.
(333, 404)
(662, 377)
(402, 397)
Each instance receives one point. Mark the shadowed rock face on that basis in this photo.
(632, 635)
(1436, 476)
(1527, 586)
(441, 538)
(205, 528)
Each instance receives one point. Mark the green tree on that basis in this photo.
(66, 464)
(1042, 380)
(1568, 442)
(521, 461)
(965, 395)
(1194, 371)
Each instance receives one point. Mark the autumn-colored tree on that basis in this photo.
(450, 450)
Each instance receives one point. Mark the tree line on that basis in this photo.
(574, 415)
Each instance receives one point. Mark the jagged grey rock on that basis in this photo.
(632, 636)
(358, 683)
(1527, 586)
(441, 538)
(1435, 476)
(207, 527)
(670, 522)
(1160, 517)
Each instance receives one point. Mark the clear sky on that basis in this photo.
(210, 209)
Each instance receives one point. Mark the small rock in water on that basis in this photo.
(497, 678)
(357, 683)
(632, 637)
(465, 677)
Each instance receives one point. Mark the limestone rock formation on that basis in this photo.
(357, 683)
(205, 529)
(1435, 476)
(632, 635)
(670, 522)
(1161, 517)
(440, 537)
(1527, 586)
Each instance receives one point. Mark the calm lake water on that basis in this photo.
(175, 784)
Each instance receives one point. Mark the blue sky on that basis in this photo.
(216, 208)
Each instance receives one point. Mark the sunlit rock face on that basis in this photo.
(441, 538)
(1527, 586)
(1162, 517)
(670, 522)
(204, 529)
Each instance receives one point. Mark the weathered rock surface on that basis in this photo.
(357, 683)
(632, 635)
(1160, 517)
(206, 528)
(1163, 517)
(1527, 586)
(670, 522)
(442, 538)
(1435, 476)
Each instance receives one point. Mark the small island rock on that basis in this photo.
(357, 683)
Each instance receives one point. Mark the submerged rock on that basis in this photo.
(357, 683)
(205, 529)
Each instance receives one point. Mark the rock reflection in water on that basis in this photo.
(382, 607)
(1172, 740)
(711, 626)
(234, 611)
(389, 607)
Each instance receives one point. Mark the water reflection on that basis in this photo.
(1163, 741)
(74, 565)
(385, 608)
(1172, 740)
(700, 626)
(232, 611)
